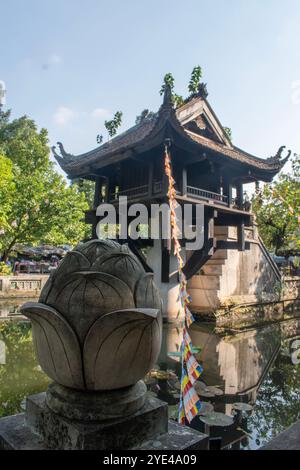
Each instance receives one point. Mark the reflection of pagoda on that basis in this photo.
(209, 171)
(238, 363)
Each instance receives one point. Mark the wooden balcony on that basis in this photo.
(140, 192)
(203, 194)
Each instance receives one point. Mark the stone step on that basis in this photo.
(212, 269)
(204, 282)
(220, 254)
(215, 262)
(202, 299)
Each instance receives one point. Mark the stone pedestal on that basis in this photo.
(148, 428)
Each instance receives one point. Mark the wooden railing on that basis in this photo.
(208, 195)
(131, 193)
(157, 187)
(198, 193)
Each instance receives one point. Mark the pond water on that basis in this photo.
(253, 367)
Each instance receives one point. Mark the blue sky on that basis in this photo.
(70, 64)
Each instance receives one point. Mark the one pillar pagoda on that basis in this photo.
(209, 171)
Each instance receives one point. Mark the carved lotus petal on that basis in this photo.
(72, 262)
(123, 265)
(121, 346)
(56, 345)
(98, 324)
(146, 293)
(97, 248)
(87, 295)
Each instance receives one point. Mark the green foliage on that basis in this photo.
(277, 211)
(177, 100)
(168, 81)
(195, 80)
(4, 269)
(39, 205)
(113, 125)
(228, 132)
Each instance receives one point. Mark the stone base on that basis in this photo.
(76, 405)
(148, 428)
(287, 440)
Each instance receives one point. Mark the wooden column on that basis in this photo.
(150, 178)
(97, 194)
(228, 192)
(230, 195)
(106, 198)
(240, 197)
(184, 182)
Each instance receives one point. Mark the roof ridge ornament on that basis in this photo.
(278, 157)
(168, 95)
(65, 157)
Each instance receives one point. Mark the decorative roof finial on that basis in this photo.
(278, 157)
(64, 155)
(167, 94)
(202, 90)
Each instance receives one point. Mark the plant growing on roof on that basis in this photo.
(113, 125)
(228, 132)
(194, 82)
(177, 100)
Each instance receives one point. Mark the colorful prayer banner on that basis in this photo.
(189, 405)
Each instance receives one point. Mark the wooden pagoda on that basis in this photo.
(207, 167)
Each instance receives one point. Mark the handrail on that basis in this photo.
(203, 193)
(137, 191)
(269, 259)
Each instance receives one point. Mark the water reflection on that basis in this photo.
(248, 367)
(20, 374)
(252, 367)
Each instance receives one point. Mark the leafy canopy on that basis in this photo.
(37, 205)
(277, 210)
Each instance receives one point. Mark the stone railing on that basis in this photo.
(23, 285)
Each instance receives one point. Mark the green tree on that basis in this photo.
(277, 211)
(6, 188)
(113, 125)
(40, 205)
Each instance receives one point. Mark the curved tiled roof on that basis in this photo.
(144, 131)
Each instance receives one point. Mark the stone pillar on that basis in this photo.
(169, 291)
(184, 182)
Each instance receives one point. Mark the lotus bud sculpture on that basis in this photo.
(97, 326)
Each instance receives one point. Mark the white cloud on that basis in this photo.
(64, 116)
(99, 113)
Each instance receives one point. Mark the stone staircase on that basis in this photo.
(233, 277)
(205, 285)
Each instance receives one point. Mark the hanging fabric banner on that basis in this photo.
(189, 405)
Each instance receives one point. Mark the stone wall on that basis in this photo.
(22, 285)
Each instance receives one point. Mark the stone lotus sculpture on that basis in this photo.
(98, 323)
